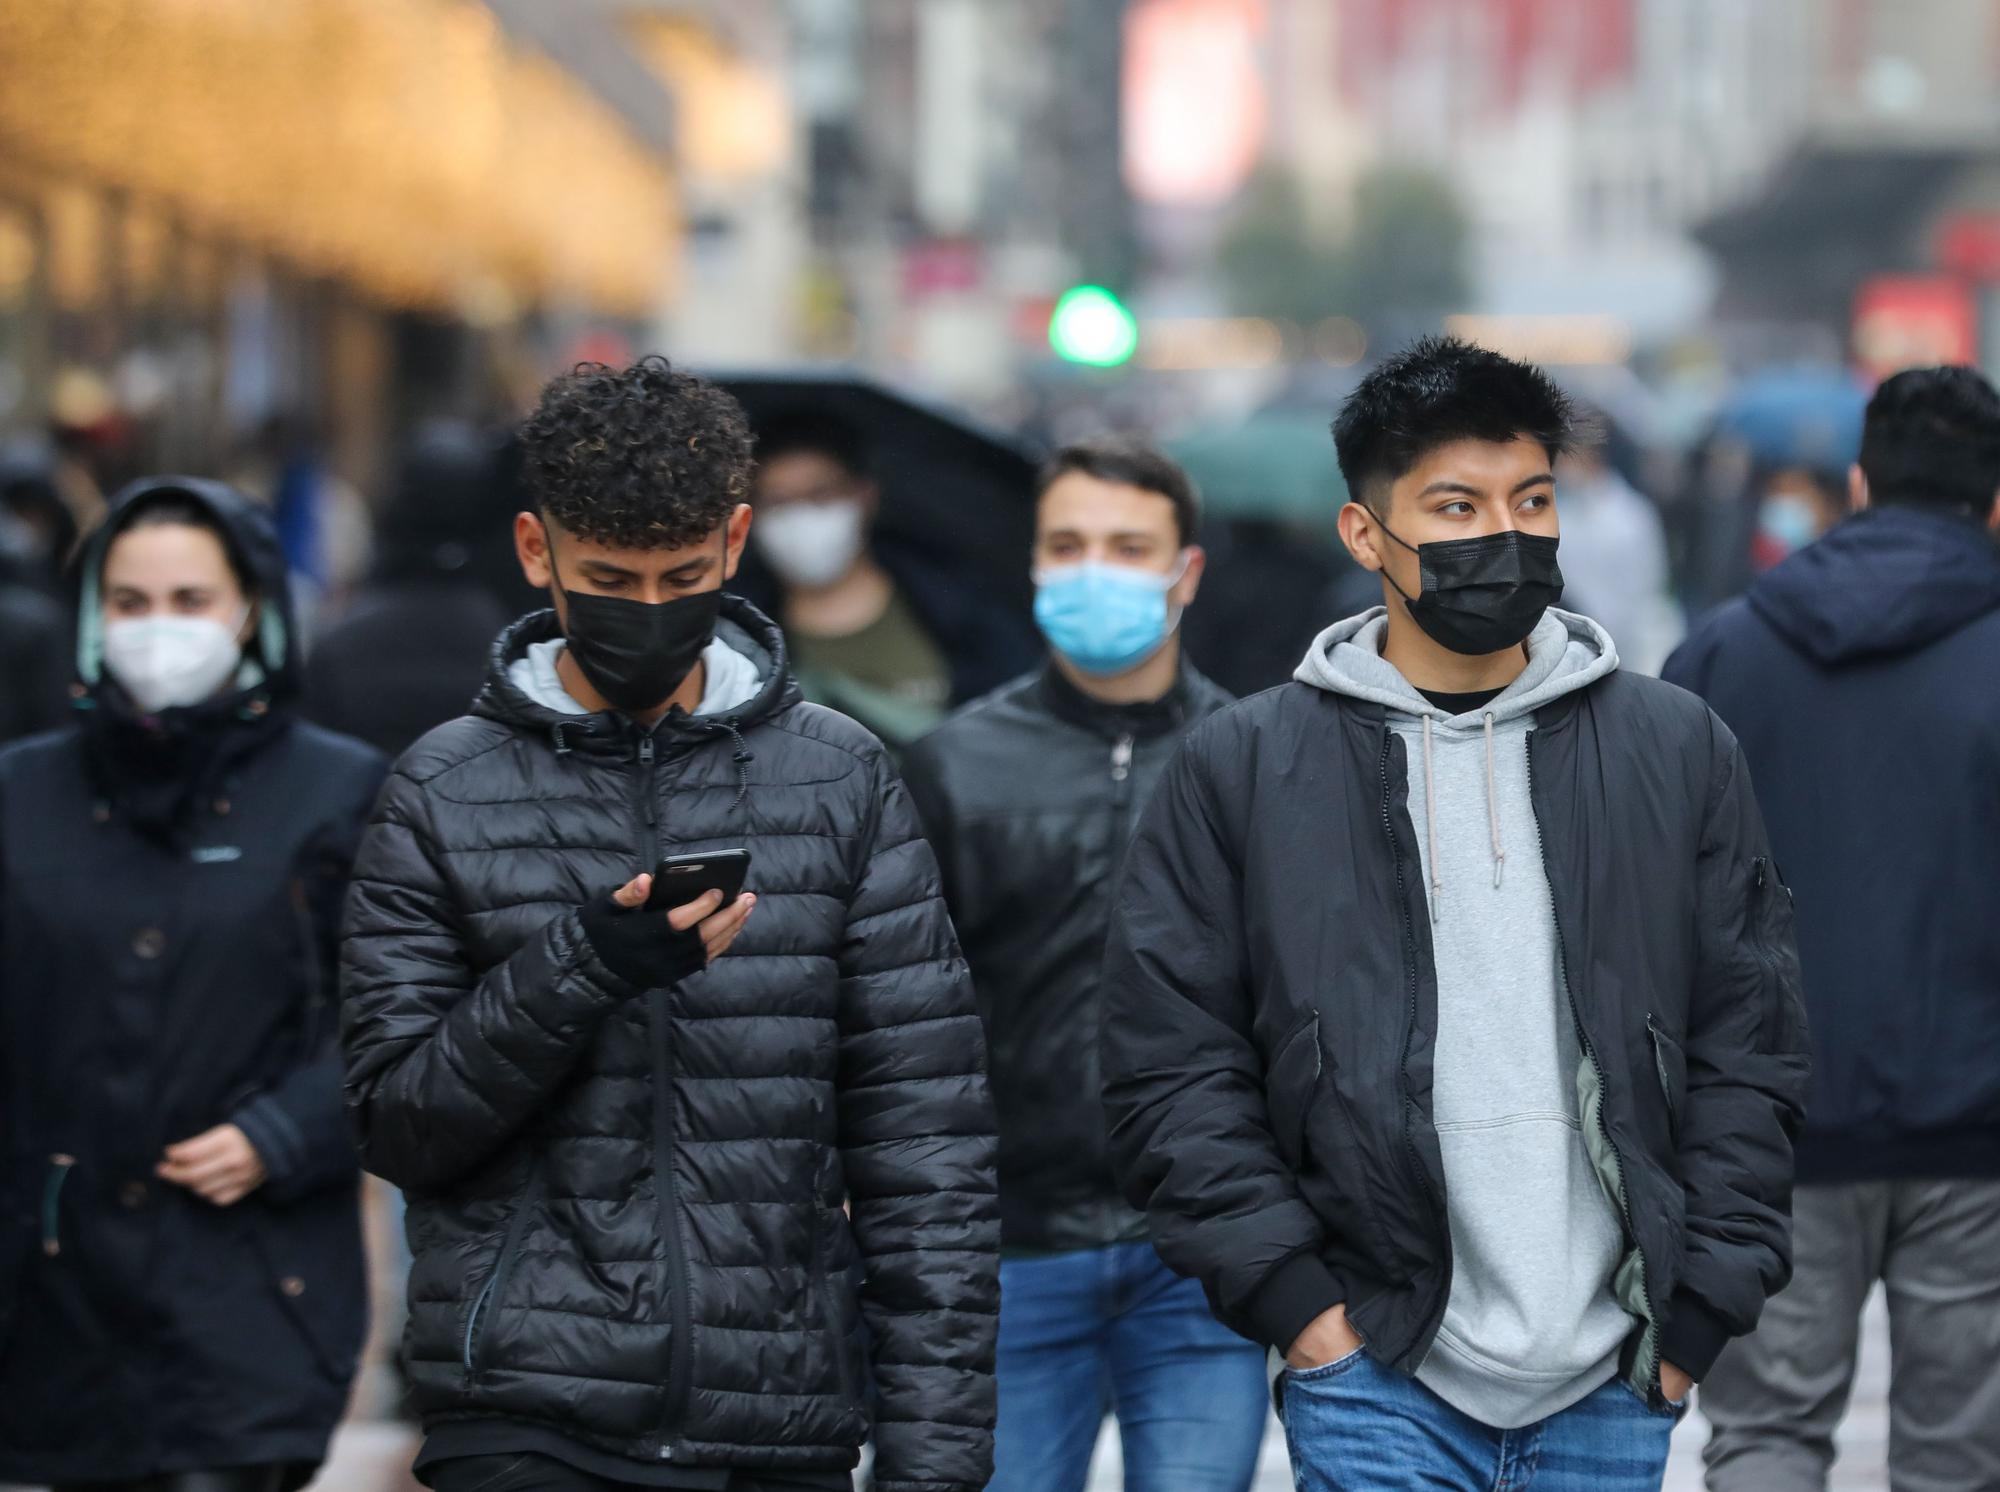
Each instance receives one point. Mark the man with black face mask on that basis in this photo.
(678, 1220)
(1452, 1031)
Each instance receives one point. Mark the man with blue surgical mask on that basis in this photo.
(1029, 797)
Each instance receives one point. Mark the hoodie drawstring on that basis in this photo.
(1431, 818)
(1493, 807)
(1431, 823)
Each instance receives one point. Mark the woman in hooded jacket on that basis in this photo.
(182, 1297)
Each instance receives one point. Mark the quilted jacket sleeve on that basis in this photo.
(444, 1066)
(1747, 1062)
(916, 1135)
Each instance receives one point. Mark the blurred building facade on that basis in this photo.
(338, 217)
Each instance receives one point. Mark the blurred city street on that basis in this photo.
(460, 459)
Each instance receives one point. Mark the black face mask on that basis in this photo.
(637, 653)
(1482, 595)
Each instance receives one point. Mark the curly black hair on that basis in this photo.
(644, 457)
(1433, 392)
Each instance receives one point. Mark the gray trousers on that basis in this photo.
(1775, 1397)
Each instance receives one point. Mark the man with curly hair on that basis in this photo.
(678, 1220)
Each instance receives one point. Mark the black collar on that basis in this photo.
(1145, 720)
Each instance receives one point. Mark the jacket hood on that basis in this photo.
(743, 628)
(1566, 652)
(1885, 582)
(253, 545)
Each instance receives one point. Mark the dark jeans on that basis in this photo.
(1113, 1330)
(528, 1472)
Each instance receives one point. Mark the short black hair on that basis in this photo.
(1438, 390)
(645, 457)
(794, 431)
(1931, 438)
(1121, 458)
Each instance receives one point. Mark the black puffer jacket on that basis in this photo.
(625, 1204)
(1030, 797)
(1272, 1014)
(170, 895)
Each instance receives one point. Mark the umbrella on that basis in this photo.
(960, 493)
(1276, 466)
(1808, 417)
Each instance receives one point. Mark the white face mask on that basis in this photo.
(169, 661)
(811, 544)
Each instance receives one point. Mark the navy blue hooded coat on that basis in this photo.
(1862, 679)
(169, 897)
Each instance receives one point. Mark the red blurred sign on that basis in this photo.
(1913, 321)
(937, 266)
(1970, 245)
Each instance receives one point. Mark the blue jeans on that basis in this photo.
(1356, 1426)
(1114, 1330)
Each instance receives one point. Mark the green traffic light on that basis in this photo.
(1091, 325)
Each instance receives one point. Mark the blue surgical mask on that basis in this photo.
(1105, 619)
(1788, 521)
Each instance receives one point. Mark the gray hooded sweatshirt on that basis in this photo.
(1531, 1326)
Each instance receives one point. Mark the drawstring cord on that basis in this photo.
(52, 1185)
(1431, 822)
(1493, 807)
(742, 756)
(1430, 815)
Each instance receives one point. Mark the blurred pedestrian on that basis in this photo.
(1614, 560)
(875, 632)
(1795, 506)
(640, 1174)
(1029, 797)
(36, 535)
(409, 652)
(181, 1289)
(1451, 1028)
(1863, 678)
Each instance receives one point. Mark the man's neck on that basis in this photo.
(576, 684)
(1427, 665)
(1151, 681)
(849, 605)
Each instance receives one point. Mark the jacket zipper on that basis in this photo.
(52, 1185)
(670, 1222)
(1603, 1094)
(493, 1292)
(661, 1014)
(1666, 1083)
(1760, 894)
(1437, 1211)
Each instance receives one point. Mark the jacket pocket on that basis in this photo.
(1290, 1086)
(1670, 1063)
(312, 1257)
(1774, 941)
(493, 1294)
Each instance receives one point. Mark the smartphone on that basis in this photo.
(680, 879)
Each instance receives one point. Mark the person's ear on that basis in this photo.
(870, 494)
(1185, 589)
(1357, 532)
(1857, 489)
(737, 536)
(531, 548)
(1993, 516)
